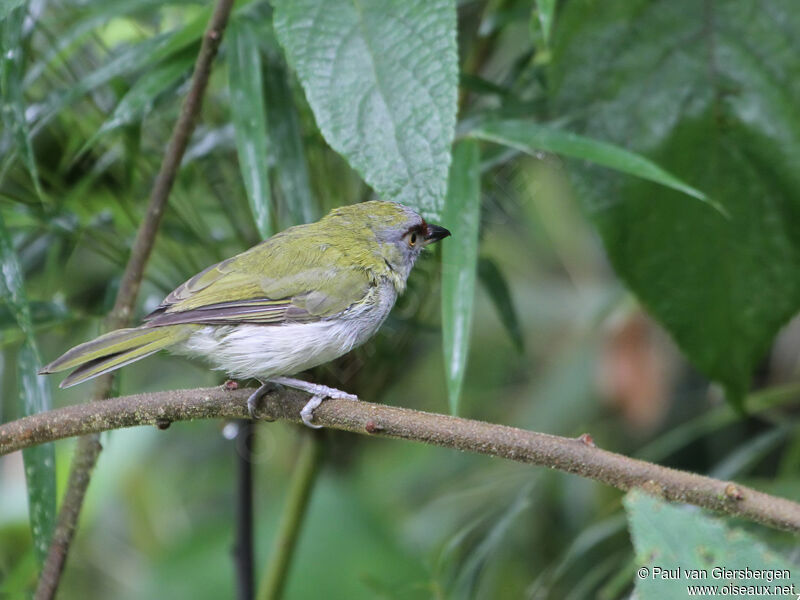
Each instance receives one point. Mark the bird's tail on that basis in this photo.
(114, 350)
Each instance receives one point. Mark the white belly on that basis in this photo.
(265, 351)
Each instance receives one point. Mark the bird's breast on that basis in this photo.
(265, 351)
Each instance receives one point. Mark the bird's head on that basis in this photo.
(400, 233)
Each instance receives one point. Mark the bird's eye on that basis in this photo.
(412, 240)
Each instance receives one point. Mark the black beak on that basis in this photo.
(434, 233)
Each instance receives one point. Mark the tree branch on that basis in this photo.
(578, 456)
(88, 449)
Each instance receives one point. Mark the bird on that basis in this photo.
(298, 299)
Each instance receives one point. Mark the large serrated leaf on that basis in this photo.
(459, 263)
(717, 107)
(677, 547)
(381, 78)
(249, 115)
(34, 397)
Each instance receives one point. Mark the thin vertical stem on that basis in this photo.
(305, 474)
(88, 450)
(243, 544)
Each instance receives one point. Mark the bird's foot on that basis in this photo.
(307, 412)
(252, 401)
(318, 392)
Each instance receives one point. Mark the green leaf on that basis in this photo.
(130, 60)
(43, 314)
(12, 100)
(381, 78)
(751, 452)
(722, 287)
(249, 115)
(682, 539)
(40, 461)
(533, 138)
(9, 6)
(17, 580)
(139, 100)
(34, 397)
(459, 263)
(496, 285)
(68, 44)
(545, 10)
(494, 540)
(291, 168)
(143, 95)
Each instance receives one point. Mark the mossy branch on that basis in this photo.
(578, 456)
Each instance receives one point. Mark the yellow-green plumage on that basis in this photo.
(302, 297)
(114, 350)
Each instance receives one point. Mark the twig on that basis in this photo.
(303, 478)
(578, 456)
(243, 544)
(88, 450)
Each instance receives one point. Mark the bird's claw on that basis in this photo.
(255, 397)
(318, 394)
(307, 413)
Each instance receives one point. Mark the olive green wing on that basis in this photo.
(279, 281)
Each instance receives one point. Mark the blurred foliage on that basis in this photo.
(698, 96)
(709, 90)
